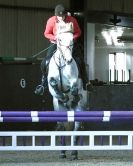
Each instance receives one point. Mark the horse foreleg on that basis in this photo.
(74, 153)
(76, 97)
(60, 127)
(63, 143)
(61, 96)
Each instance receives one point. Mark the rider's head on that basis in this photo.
(60, 12)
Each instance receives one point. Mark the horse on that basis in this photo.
(65, 85)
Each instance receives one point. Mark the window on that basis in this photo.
(117, 67)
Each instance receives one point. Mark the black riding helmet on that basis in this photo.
(60, 10)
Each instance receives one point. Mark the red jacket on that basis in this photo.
(50, 31)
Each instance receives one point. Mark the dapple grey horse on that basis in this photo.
(65, 85)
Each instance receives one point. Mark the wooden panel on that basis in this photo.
(30, 32)
(8, 32)
(35, 3)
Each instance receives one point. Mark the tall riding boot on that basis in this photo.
(44, 64)
(82, 71)
(84, 77)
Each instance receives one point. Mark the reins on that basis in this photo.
(60, 67)
(34, 56)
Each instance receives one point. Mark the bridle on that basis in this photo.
(62, 53)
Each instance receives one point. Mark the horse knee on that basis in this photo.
(53, 82)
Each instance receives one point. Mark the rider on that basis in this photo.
(50, 33)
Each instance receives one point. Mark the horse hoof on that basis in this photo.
(62, 156)
(74, 157)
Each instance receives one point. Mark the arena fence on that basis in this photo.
(50, 140)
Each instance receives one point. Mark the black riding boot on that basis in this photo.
(84, 77)
(78, 56)
(44, 67)
(82, 71)
(40, 88)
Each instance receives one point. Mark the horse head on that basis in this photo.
(65, 45)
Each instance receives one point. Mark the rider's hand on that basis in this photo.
(55, 38)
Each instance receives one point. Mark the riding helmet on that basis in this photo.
(60, 10)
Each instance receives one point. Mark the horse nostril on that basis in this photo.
(71, 60)
(68, 62)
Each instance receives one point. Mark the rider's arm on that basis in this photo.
(49, 32)
(77, 30)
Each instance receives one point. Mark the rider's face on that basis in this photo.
(61, 18)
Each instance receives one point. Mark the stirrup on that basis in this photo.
(39, 90)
